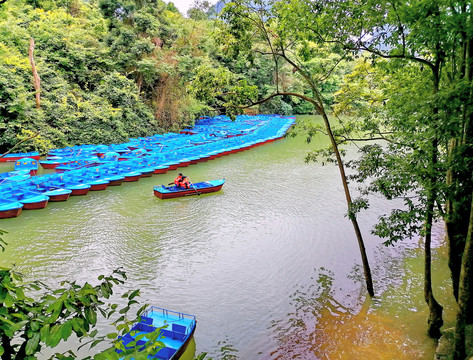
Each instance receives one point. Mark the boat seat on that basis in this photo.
(165, 353)
(179, 331)
(143, 328)
(146, 320)
(127, 339)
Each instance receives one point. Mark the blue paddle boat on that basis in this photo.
(175, 333)
(14, 176)
(29, 164)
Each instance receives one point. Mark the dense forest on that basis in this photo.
(400, 73)
(110, 70)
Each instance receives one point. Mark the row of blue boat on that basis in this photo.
(80, 169)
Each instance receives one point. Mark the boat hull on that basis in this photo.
(5, 214)
(161, 170)
(98, 187)
(19, 156)
(115, 182)
(35, 205)
(80, 192)
(134, 177)
(61, 197)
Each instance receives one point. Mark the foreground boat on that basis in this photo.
(205, 187)
(175, 333)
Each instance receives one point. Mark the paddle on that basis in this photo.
(192, 183)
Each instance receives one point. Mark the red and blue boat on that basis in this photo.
(18, 156)
(205, 187)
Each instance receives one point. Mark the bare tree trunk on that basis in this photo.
(435, 321)
(7, 348)
(464, 293)
(36, 79)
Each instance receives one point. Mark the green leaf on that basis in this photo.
(66, 330)
(90, 315)
(32, 344)
(19, 294)
(35, 325)
(8, 300)
(44, 332)
(55, 336)
(134, 294)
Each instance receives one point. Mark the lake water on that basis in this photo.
(269, 265)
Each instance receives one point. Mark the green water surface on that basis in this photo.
(269, 265)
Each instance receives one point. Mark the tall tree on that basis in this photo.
(259, 28)
(435, 35)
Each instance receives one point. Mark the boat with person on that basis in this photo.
(175, 331)
(204, 187)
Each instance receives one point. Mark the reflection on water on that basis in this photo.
(329, 323)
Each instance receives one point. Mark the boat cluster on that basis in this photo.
(83, 168)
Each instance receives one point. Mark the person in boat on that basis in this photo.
(185, 182)
(178, 179)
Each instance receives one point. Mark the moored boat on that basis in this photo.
(55, 194)
(9, 209)
(31, 200)
(27, 164)
(205, 187)
(132, 176)
(14, 176)
(18, 156)
(175, 333)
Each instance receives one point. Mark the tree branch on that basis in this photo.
(17, 144)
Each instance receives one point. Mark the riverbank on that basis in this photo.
(444, 349)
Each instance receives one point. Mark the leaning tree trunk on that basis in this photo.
(460, 182)
(435, 320)
(319, 105)
(351, 215)
(8, 350)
